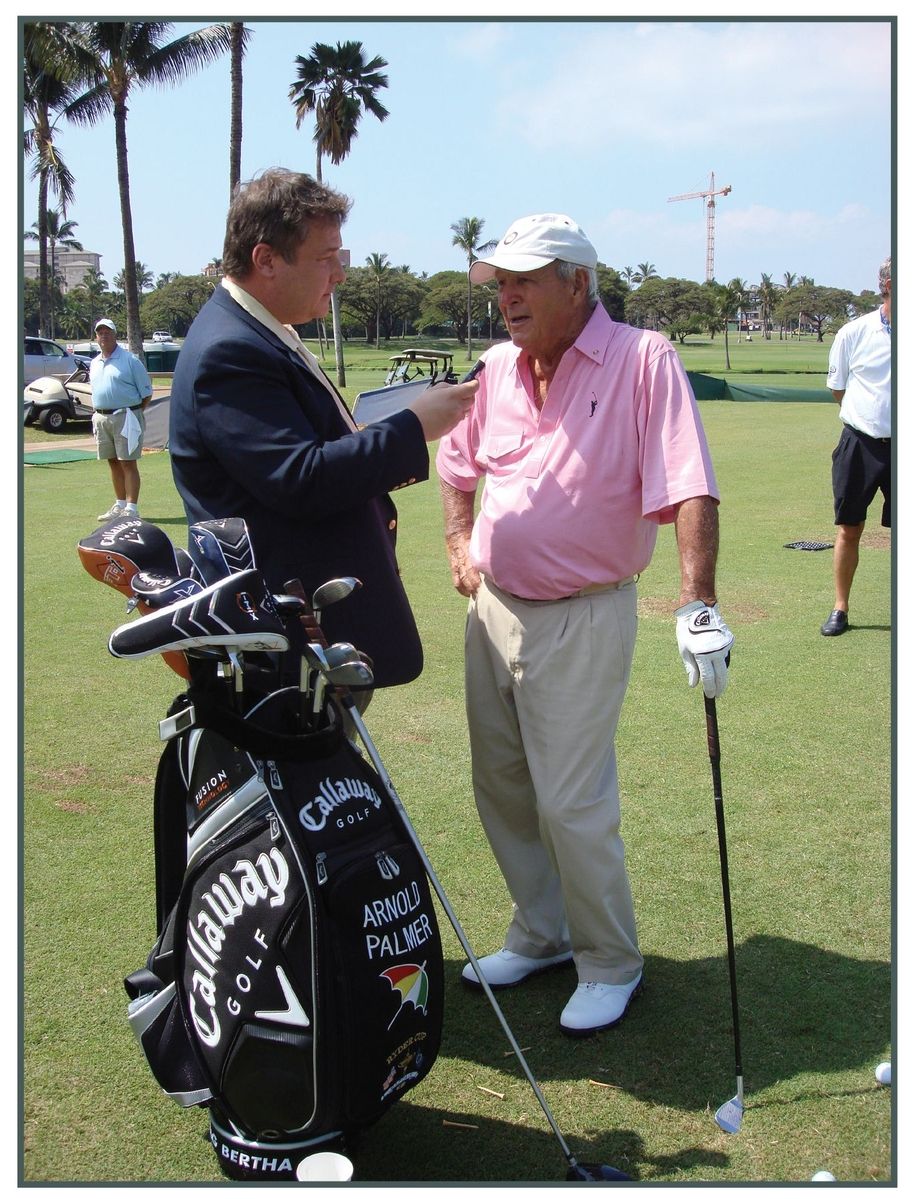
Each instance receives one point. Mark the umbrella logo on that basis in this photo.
(412, 984)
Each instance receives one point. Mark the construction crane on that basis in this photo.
(709, 196)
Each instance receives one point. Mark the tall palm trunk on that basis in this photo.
(335, 310)
(235, 122)
(134, 332)
(44, 291)
(469, 303)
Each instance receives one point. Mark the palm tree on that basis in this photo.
(52, 75)
(144, 277)
(468, 235)
(629, 275)
(240, 36)
(58, 232)
(379, 266)
(128, 54)
(767, 294)
(790, 279)
(727, 300)
(336, 85)
(644, 270)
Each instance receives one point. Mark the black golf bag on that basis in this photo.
(296, 985)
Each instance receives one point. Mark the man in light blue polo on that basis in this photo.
(121, 389)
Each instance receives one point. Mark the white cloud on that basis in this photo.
(676, 83)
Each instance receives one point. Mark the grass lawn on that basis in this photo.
(806, 741)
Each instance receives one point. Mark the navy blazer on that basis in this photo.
(254, 434)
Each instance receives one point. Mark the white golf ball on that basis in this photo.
(823, 1176)
(884, 1074)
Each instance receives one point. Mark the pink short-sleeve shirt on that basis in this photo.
(574, 492)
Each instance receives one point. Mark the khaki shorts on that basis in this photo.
(109, 434)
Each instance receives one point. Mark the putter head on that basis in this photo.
(586, 1172)
(729, 1116)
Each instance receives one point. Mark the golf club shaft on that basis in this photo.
(714, 753)
(349, 704)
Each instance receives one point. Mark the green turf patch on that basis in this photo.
(53, 457)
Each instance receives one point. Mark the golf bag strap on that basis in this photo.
(210, 712)
(169, 832)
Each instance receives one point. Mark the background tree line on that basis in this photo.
(83, 71)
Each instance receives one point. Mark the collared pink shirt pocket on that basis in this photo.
(502, 450)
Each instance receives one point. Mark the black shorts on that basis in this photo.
(860, 466)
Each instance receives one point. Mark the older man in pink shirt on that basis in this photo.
(587, 436)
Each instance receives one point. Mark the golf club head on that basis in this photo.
(729, 1116)
(289, 606)
(334, 590)
(353, 673)
(315, 656)
(586, 1172)
(220, 548)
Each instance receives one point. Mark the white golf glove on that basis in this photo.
(705, 643)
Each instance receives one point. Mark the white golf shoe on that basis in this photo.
(595, 1006)
(507, 969)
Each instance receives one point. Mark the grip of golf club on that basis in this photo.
(711, 729)
(313, 630)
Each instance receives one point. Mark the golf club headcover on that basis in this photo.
(237, 612)
(160, 591)
(705, 645)
(114, 553)
(220, 547)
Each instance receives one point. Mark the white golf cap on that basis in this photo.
(536, 241)
(105, 323)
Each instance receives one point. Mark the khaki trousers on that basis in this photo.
(545, 683)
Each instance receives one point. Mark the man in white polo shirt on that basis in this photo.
(587, 435)
(121, 389)
(860, 378)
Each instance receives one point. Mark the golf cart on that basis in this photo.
(51, 402)
(435, 365)
(412, 371)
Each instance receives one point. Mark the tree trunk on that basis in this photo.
(44, 297)
(338, 339)
(235, 128)
(469, 303)
(134, 332)
(334, 308)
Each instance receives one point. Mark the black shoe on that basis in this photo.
(836, 624)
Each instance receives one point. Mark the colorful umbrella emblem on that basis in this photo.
(412, 983)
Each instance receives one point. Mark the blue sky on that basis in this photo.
(603, 120)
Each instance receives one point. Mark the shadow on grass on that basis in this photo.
(425, 1144)
(803, 1011)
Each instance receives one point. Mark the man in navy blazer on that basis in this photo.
(257, 430)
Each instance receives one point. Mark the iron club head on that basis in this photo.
(729, 1116)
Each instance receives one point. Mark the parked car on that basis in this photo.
(161, 335)
(45, 357)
